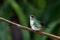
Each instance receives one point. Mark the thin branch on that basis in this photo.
(26, 28)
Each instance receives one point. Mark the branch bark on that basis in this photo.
(29, 29)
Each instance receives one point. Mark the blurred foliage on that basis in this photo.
(48, 11)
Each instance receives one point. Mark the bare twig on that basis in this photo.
(26, 28)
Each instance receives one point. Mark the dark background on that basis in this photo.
(18, 11)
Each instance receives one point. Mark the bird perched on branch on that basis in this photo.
(35, 24)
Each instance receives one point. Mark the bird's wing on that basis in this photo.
(37, 24)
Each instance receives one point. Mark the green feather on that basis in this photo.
(36, 23)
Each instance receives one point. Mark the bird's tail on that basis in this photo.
(44, 25)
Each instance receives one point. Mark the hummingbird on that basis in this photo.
(35, 24)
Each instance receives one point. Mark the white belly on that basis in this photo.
(33, 26)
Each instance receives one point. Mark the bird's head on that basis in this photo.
(32, 17)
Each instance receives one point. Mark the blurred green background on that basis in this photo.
(48, 11)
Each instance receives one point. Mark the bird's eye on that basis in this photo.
(32, 16)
